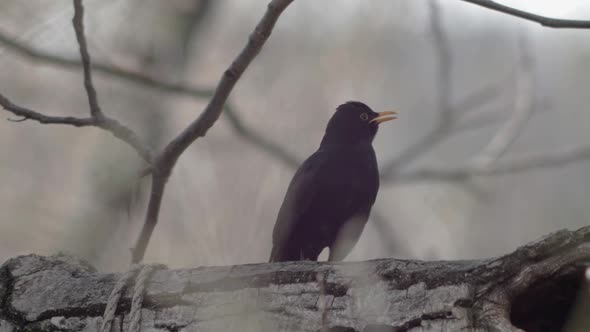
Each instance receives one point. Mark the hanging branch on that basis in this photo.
(543, 20)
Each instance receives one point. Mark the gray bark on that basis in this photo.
(63, 293)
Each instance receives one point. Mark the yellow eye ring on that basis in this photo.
(364, 116)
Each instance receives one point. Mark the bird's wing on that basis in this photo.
(298, 198)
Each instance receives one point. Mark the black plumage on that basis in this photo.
(330, 196)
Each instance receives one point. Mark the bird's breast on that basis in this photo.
(354, 174)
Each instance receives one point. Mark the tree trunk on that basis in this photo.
(533, 289)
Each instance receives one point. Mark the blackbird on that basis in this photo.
(330, 196)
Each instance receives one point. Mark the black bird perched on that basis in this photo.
(330, 196)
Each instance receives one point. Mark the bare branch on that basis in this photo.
(198, 128)
(446, 116)
(486, 164)
(523, 109)
(207, 118)
(460, 123)
(127, 135)
(272, 148)
(552, 159)
(78, 22)
(42, 118)
(104, 69)
(449, 113)
(480, 165)
(543, 20)
(444, 94)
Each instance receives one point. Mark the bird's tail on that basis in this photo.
(274, 254)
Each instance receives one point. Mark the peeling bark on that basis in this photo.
(531, 289)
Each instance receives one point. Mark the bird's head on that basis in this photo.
(354, 122)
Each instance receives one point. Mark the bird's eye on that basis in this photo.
(364, 116)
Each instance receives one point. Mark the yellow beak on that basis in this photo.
(383, 116)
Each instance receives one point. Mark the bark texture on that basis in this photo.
(532, 289)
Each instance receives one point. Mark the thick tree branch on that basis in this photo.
(534, 286)
(543, 20)
(165, 161)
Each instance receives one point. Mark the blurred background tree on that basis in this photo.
(488, 151)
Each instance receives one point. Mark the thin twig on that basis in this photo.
(543, 20)
(108, 124)
(78, 22)
(42, 118)
(23, 119)
(115, 127)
